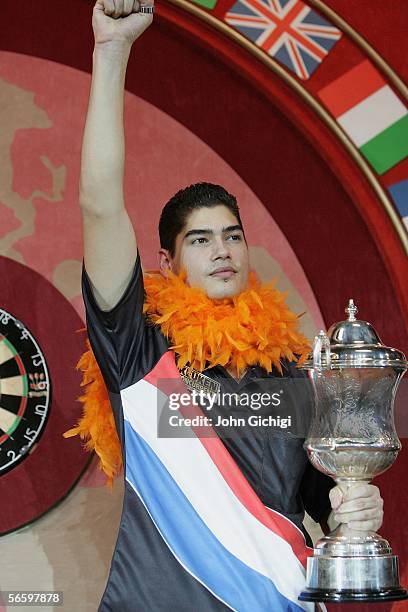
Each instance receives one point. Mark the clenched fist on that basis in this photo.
(119, 20)
(361, 507)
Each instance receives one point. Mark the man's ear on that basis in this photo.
(165, 262)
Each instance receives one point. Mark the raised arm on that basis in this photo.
(109, 238)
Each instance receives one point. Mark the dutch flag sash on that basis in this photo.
(248, 556)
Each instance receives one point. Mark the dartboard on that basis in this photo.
(25, 391)
(39, 343)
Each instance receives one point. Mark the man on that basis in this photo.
(210, 522)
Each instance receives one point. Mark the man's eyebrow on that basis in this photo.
(201, 232)
(232, 228)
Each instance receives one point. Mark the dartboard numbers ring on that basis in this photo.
(25, 392)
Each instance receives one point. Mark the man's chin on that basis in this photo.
(219, 289)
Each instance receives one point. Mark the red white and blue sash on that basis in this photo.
(250, 557)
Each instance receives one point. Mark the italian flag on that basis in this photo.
(371, 114)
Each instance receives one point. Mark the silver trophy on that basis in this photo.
(352, 438)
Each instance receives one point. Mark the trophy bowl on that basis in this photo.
(352, 438)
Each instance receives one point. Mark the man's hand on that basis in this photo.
(361, 507)
(119, 21)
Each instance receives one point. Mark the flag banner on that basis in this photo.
(399, 194)
(287, 30)
(208, 4)
(371, 114)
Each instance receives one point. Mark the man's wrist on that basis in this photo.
(113, 49)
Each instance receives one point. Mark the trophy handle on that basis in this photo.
(321, 343)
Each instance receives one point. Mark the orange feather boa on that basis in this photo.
(253, 328)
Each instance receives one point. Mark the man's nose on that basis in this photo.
(220, 248)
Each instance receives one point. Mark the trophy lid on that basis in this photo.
(354, 343)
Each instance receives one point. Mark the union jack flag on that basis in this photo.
(288, 30)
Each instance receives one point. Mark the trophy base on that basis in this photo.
(350, 596)
(353, 579)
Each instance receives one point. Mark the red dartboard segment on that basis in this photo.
(52, 465)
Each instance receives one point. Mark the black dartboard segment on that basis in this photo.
(25, 391)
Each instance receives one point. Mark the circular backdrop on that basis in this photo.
(39, 347)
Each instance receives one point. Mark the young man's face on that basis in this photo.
(212, 250)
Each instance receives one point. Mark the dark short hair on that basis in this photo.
(174, 215)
